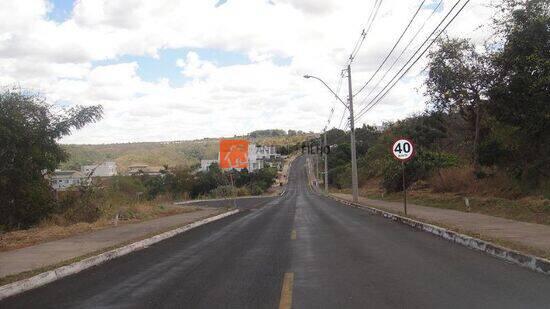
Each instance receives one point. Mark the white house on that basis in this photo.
(255, 158)
(105, 169)
(144, 169)
(62, 180)
(205, 164)
(264, 152)
(257, 155)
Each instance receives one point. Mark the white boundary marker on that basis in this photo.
(76, 267)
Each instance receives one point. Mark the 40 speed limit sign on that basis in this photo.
(403, 149)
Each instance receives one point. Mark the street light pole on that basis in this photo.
(354, 182)
(349, 106)
(326, 164)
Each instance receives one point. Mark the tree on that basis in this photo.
(458, 81)
(520, 97)
(29, 131)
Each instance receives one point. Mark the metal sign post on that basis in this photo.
(404, 188)
(403, 150)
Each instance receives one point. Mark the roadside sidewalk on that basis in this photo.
(523, 234)
(55, 252)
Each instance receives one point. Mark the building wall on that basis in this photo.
(106, 169)
(64, 180)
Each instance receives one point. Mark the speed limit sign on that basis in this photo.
(403, 149)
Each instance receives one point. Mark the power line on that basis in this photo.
(393, 48)
(335, 100)
(410, 58)
(334, 104)
(402, 52)
(365, 31)
(342, 118)
(378, 98)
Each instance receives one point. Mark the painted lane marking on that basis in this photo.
(286, 292)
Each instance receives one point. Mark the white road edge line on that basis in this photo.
(76, 267)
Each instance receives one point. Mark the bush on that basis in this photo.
(256, 190)
(420, 167)
(84, 205)
(223, 191)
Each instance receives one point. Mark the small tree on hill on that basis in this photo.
(458, 80)
(29, 132)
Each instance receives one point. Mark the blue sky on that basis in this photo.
(61, 10)
(153, 69)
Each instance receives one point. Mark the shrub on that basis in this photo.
(223, 191)
(455, 179)
(256, 190)
(420, 167)
(84, 205)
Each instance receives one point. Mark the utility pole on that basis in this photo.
(354, 184)
(326, 164)
(349, 106)
(317, 169)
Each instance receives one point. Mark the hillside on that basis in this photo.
(176, 153)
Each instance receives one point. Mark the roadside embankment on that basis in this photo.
(25, 262)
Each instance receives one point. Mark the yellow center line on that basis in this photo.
(293, 235)
(286, 292)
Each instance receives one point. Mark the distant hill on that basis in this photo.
(175, 153)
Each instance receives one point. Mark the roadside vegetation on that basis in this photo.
(485, 133)
(175, 153)
(29, 152)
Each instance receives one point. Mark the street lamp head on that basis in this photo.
(307, 76)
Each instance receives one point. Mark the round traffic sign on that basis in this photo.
(403, 149)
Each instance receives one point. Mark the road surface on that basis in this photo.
(301, 250)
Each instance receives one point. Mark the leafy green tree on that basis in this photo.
(29, 131)
(458, 81)
(365, 137)
(520, 97)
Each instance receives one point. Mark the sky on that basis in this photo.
(176, 70)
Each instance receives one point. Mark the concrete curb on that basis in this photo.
(221, 199)
(535, 263)
(76, 267)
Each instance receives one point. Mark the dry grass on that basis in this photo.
(534, 209)
(56, 227)
(493, 196)
(462, 180)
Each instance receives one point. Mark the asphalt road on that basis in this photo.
(299, 249)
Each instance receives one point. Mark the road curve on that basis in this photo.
(300, 250)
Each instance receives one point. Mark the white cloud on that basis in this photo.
(194, 67)
(56, 59)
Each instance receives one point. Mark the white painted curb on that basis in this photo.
(76, 267)
(222, 199)
(532, 262)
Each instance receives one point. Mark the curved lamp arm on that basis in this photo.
(334, 93)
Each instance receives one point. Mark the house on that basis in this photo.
(63, 180)
(255, 161)
(258, 158)
(265, 152)
(144, 169)
(136, 168)
(105, 169)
